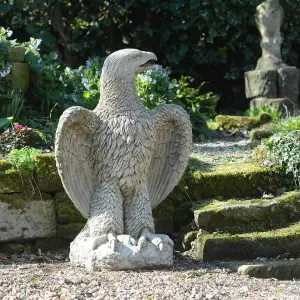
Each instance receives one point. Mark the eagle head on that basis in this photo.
(128, 62)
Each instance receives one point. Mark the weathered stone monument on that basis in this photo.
(273, 83)
(117, 163)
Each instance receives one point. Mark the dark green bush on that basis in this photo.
(55, 87)
(214, 41)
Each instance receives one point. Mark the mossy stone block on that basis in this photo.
(10, 179)
(270, 244)
(69, 231)
(249, 215)
(16, 248)
(47, 177)
(188, 239)
(66, 212)
(236, 122)
(243, 180)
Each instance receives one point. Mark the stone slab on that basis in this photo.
(240, 216)
(270, 244)
(261, 84)
(25, 219)
(281, 269)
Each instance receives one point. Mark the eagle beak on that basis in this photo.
(150, 59)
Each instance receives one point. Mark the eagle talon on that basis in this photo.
(109, 237)
(126, 239)
(158, 240)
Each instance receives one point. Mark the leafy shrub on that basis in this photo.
(54, 88)
(10, 109)
(285, 148)
(155, 87)
(20, 136)
(209, 40)
(23, 159)
(273, 112)
(81, 86)
(201, 106)
(286, 125)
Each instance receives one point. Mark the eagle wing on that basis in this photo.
(172, 148)
(73, 144)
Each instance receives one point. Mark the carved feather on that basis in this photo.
(170, 158)
(73, 145)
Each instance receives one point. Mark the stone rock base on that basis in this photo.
(273, 88)
(125, 256)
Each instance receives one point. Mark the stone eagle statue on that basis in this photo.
(118, 162)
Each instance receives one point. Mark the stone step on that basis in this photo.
(241, 216)
(200, 181)
(269, 244)
(287, 269)
(233, 180)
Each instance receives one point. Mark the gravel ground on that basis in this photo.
(51, 276)
(225, 149)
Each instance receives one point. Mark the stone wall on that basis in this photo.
(35, 212)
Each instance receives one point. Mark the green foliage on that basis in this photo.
(210, 40)
(11, 106)
(273, 112)
(55, 87)
(20, 136)
(23, 159)
(5, 66)
(285, 147)
(81, 85)
(286, 125)
(201, 106)
(155, 87)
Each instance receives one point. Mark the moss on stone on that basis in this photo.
(260, 133)
(249, 245)
(188, 239)
(236, 181)
(47, 176)
(66, 212)
(15, 248)
(10, 180)
(249, 215)
(19, 200)
(69, 231)
(238, 122)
